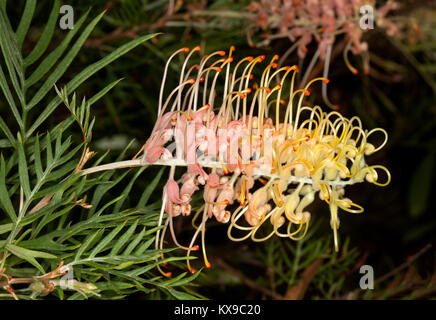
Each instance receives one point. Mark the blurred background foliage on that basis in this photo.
(398, 94)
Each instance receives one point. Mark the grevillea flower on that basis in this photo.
(322, 21)
(259, 161)
(303, 21)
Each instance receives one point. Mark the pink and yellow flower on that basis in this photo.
(258, 161)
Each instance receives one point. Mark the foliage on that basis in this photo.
(100, 242)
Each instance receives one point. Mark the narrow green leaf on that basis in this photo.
(132, 245)
(64, 185)
(138, 271)
(20, 252)
(45, 37)
(103, 243)
(181, 295)
(10, 99)
(101, 190)
(48, 214)
(143, 247)
(54, 56)
(148, 191)
(58, 145)
(12, 57)
(185, 280)
(7, 131)
(64, 64)
(127, 190)
(5, 143)
(25, 21)
(102, 92)
(5, 228)
(37, 156)
(29, 255)
(11, 46)
(86, 244)
(49, 150)
(123, 239)
(22, 168)
(4, 197)
(85, 74)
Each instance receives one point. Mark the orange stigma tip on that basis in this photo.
(195, 248)
(168, 274)
(307, 93)
(335, 107)
(165, 263)
(232, 48)
(249, 59)
(262, 57)
(185, 49)
(191, 81)
(218, 69)
(222, 53)
(276, 57)
(197, 48)
(229, 60)
(326, 80)
(279, 86)
(282, 102)
(242, 96)
(268, 90)
(193, 271)
(248, 90)
(251, 76)
(197, 66)
(355, 71)
(208, 265)
(226, 202)
(274, 65)
(201, 79)
(263, 181)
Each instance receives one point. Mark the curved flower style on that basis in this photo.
(249, 151)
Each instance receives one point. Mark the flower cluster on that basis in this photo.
(308, 20)
(258, 160)
(303, 21)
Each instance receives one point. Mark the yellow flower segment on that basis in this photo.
(321, 155)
